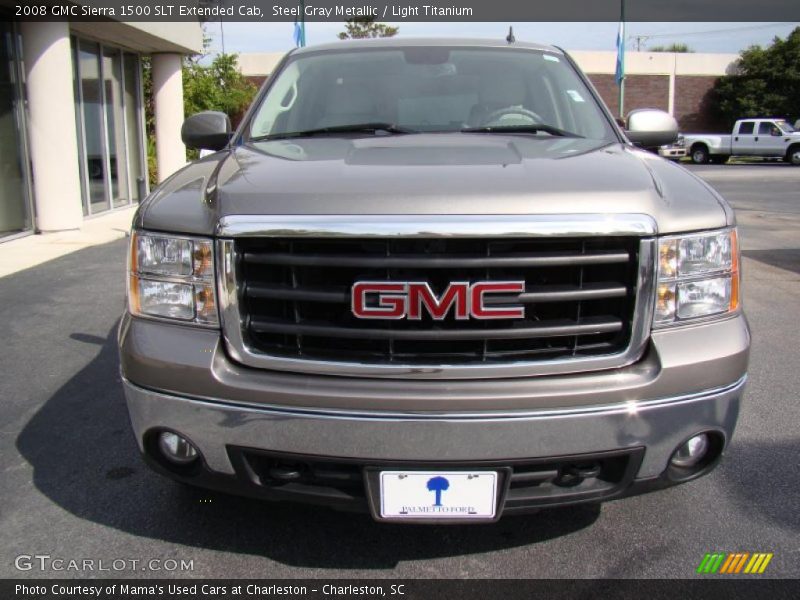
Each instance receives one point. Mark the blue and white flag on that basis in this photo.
(299, 34)
(300, 27)
(619, 75)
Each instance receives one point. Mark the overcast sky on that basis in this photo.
(701, 37)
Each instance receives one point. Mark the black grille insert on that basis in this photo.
(530, 482)
(579, 298)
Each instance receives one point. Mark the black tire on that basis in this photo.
(719, 159)
(699, 154)
(793, 155)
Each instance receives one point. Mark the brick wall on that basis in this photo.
(641, 91)
(693, 98)
(693, 104)
(256, 80)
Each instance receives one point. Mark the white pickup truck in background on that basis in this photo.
(751, 137)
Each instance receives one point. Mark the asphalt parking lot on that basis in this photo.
(74, 487)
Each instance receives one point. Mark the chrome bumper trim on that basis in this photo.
(629, 407)
(659, 424)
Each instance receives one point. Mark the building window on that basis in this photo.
(15, 196)
(108, 107)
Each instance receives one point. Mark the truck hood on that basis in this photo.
(432, 174)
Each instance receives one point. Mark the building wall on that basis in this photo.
(641, 91)
(693, 104)
(146, 37)
(679, 83)
(256, 80)
(638, 63)
(259, 64)
(16, 207)
(58, 115)
(692, 101)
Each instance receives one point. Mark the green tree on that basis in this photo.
(766, 82)
(366, 27)
(671, 48)
(149, 120)
(216, 86)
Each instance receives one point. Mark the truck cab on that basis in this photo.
(761, 137)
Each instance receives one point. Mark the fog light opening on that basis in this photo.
(176, 448)
(692, 452)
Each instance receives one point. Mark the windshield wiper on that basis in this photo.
(538, 128)
(389, 128)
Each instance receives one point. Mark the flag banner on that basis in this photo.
(619, 74)
(300, 26)
(506, 11)
(298, 35)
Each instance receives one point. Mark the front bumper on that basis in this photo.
(672, 152)
(644, 434)
(245, 422)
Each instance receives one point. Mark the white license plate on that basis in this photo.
(438, 494)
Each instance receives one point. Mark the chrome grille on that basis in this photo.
(286, 303)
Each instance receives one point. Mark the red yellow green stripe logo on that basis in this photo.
(733, 563)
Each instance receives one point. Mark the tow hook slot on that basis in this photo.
(285, 474)
(572, 475)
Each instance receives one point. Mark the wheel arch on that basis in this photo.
(793, 147)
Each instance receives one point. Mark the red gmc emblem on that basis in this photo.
(412, 299)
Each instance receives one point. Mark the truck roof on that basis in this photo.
(500, 42)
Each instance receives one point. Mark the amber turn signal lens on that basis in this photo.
(735, 274)
(203, 259)
(668, 259)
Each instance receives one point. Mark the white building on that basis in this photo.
(72, 141)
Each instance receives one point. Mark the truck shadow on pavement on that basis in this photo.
(787, 259)
(85, 459)
(762, 476)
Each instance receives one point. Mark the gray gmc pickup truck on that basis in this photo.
(433, 280)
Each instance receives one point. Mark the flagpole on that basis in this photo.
(622, 79)
(302, 23)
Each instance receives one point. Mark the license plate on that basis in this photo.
(438, 494)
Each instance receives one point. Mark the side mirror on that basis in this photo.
(208, 130)
(651, 128)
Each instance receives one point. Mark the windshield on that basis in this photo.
(785, 126)
(428, 89)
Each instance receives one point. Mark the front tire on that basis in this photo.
(700, 155)
(793, 155)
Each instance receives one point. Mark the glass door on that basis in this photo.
(115, 128)
(93, 151)
(108, 109)
(15, 206)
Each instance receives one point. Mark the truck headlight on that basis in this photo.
(172, 277)
(698, 277)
